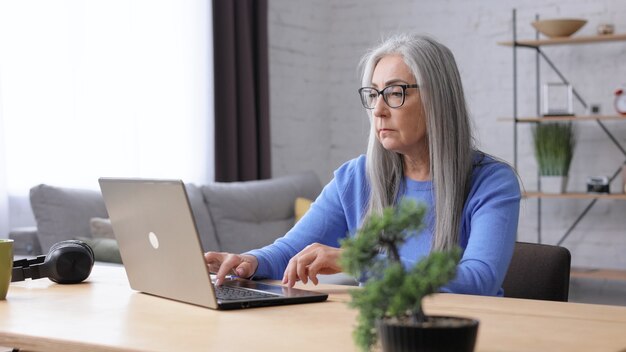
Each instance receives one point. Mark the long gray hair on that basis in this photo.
(449, 135)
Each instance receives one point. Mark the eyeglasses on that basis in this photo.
(392, 95)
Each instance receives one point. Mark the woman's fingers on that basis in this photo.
(227, 264)
(296, 268)
(291, 276)
(214, 260)
(302, 265)
(314, 268)
(212, 257)
(230, 262)
(326, 262)
(247, 267)
(311, 261)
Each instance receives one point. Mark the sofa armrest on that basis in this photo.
(26, 241)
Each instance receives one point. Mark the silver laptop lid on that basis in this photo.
(158, 240)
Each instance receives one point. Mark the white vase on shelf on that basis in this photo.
(553, 184)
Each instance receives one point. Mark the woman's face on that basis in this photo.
(403, 129)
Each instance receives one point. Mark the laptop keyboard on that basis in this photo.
(231, 293)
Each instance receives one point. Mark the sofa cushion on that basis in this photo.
(101, 228)
(252, 214)
(301, 206)
(104, 249)
(64, 213)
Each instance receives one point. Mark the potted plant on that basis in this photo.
(554, 148)
(390, 301)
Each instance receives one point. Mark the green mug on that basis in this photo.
(6, 266)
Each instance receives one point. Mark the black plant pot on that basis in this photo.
(437, 334)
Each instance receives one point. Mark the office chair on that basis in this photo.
(538, 271)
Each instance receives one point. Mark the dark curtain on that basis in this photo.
(242, 125)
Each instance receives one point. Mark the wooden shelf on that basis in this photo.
(568, 40)
(566, 118)
(618, 196)
(609, 115)
(601, 274)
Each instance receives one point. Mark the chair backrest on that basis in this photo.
(538, 271)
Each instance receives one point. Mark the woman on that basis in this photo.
(420, 147)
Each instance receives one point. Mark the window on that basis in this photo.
(104, 88)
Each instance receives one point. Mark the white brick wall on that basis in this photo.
(298, 39)
(317, 121)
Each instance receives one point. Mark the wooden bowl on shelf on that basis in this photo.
(555, 28)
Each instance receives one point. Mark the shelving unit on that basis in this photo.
(537, 45)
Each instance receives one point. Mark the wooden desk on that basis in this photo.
(104, 314)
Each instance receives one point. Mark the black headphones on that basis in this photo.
(67, 262)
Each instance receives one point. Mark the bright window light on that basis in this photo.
(105, 88)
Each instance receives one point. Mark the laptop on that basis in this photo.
(162, 253)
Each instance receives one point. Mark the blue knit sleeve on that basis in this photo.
(326, 222)
(488, 231)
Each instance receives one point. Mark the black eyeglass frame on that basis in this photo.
(382, 92)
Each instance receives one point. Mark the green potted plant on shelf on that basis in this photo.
(390, 302)
(554, 148)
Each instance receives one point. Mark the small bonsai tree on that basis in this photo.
(392, 292)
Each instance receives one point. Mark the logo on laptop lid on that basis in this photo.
(154, 240)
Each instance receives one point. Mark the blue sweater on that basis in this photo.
(488, 229)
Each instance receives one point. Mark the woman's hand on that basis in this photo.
(242, 265)
(312, 260)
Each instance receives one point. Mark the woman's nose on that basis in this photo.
(380, 109)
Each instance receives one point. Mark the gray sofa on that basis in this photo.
(231, 217)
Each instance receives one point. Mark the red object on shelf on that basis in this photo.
(620, 101)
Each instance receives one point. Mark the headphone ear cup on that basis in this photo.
(87, 248)
(69, 262)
